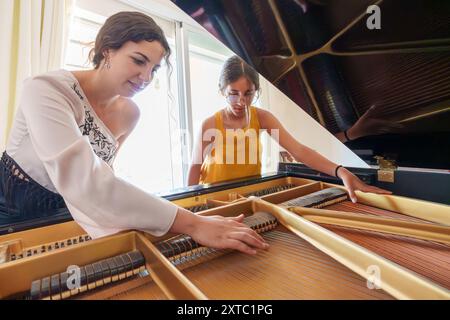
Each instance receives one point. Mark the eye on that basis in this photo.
(139, 62)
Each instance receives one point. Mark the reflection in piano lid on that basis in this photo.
(323, 56)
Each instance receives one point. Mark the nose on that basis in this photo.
(239, 98)
(146, 76)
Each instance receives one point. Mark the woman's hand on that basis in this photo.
(228, 233)
(219, 232)
(353, 183)
(372, 122)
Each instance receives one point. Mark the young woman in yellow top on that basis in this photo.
(228, 145)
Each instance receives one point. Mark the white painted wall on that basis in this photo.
(307, 130)
(106, 8)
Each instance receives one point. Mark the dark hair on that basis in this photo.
(235, 68)
(123, 27)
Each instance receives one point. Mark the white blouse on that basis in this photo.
(59, 141)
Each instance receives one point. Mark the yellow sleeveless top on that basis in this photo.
(236, 153)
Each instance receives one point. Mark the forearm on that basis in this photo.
(194, 174)
(315, 160)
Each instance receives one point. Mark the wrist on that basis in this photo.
(347, 138)
(185, 222)
(337, 170)
(343, 173)
(352, 134)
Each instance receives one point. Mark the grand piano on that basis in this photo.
(326, 59)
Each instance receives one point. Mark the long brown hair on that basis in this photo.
(123, 27)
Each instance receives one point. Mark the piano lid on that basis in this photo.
(322, 55)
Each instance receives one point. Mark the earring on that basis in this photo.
(108, 64)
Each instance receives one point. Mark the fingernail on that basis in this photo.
(266, 245)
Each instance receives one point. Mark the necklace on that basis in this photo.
(230, 118)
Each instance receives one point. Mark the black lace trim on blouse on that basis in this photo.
(103, 148)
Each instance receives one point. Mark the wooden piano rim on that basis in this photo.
(425, 210)
(168, 278)
(223, 195)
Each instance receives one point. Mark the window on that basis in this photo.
(151, 156)
(84, 29)
(206, 58)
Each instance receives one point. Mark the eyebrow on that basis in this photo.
(249, 90)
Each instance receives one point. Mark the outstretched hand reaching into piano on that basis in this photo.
(353, 183)
(218, 232)
(315, 160)
(372, 122)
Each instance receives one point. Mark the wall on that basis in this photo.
(308, 131)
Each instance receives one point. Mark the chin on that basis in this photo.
(127, 93)
(239, 113)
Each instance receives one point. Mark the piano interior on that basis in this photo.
(410, 249)
(230, 195)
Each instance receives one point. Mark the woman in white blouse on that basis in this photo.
(67, 131)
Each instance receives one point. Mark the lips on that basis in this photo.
(135, 87)
(238, 110)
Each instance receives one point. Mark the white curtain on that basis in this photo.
(34, 35)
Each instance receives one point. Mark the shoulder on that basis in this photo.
(128, 112)
(262, 113)
(209, 123)
(128, 109)
(56, 88)
(55, 81)
(266, 119)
